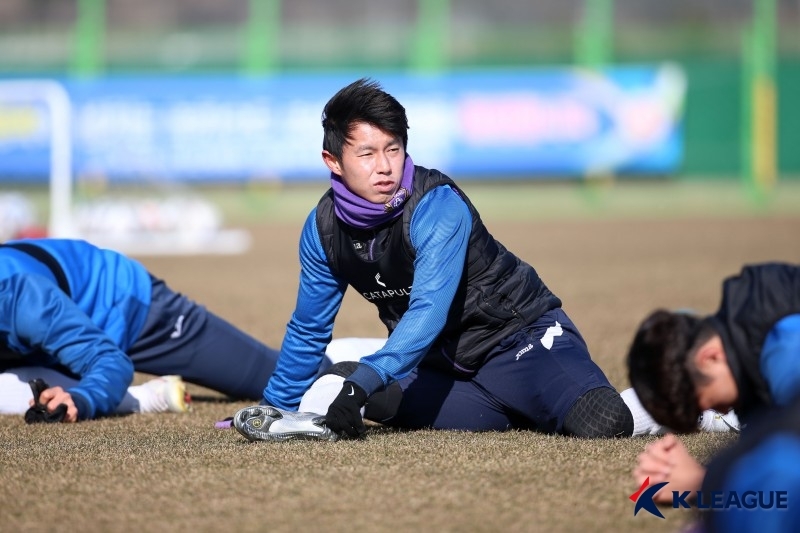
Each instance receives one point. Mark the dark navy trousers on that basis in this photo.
(184, 338)
(530, 381)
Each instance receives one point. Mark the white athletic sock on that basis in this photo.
(15, 393)
(133, 400)
(352, 348)
(325, 389)
(321, 394)
(643, 423)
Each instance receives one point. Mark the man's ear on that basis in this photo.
(332, 162)
(709, 354)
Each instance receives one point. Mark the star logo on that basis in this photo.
(644, 498)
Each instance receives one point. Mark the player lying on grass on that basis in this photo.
(746, 356)
(97, 316)
(476, 340)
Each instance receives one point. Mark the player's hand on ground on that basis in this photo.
(344, 414)
(53, 397)
(667, 459)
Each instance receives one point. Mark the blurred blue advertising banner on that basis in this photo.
(472, 124)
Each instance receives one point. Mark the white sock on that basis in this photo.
(325, 389)
(321, 394)
(134, 399)
(352, 348)
(15, 393)
(643, 423)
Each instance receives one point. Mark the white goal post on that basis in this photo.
(61, 220)
(56, 100)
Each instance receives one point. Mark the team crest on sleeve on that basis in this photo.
(397, 200)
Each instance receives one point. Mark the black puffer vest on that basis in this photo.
(498, 293)
(752, 303)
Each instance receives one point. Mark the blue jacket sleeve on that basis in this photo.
(310, 328)
(780, 359)
(770, 465)
(38, 317)
(440, 230)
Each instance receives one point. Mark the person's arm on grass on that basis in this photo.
(38, 319)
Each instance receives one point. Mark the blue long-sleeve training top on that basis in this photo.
(440, 228)
(88, 332)
(780, 359)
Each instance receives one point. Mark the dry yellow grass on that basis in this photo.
(177, 472)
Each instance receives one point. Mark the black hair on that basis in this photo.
(661, 367)
(363, 101)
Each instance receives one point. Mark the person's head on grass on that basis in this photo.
(678, 367)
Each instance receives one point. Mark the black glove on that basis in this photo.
(39, 413)
(344, 414)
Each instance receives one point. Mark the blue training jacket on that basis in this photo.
(88, 332)
(439, 230)
(780, 359)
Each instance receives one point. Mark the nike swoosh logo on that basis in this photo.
(352, 391)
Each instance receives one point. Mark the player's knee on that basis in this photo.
(600, 413)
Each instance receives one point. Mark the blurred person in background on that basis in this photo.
(746, 477)
(746, 357)
(766, 459)
(476, 339)
(84, 319)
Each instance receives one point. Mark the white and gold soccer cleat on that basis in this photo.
(168, 395)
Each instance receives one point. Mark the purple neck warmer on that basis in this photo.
(361, 213)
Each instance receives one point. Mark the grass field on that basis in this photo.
(612, 252)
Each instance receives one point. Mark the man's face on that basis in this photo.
(720, 391)
(371, 165)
